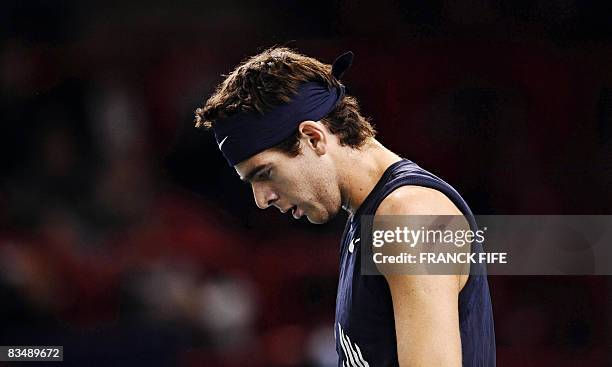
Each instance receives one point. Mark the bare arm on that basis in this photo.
(425, 306)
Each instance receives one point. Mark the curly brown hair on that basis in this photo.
(272, 78)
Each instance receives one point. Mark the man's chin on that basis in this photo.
(320, 219)
(315, 220)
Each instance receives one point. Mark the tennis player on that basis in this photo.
(284, 123)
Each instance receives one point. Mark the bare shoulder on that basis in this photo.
(417, 200)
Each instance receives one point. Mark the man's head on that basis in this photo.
(301, 171)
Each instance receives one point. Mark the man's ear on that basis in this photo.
(315, 135)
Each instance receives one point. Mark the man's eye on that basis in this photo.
(265, 175)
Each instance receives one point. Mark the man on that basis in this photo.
(283, 121)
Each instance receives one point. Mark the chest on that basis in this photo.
(363, 301)
(364, 310)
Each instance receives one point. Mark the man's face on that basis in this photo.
(302, 185)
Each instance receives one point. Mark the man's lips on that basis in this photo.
(297, 212)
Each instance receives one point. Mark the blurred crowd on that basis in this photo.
(126, 238)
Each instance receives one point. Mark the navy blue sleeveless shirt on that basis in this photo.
(365, 324)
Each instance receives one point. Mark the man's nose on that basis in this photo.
(264, 196)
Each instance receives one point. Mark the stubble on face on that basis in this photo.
(306, 180)
(321, 192)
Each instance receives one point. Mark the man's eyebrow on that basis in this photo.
(249, 176)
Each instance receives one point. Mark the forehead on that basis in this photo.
(268, 156)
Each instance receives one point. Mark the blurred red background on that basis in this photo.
(126, 238)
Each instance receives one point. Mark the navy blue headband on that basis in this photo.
(242, 135)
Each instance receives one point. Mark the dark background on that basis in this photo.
(106, 249)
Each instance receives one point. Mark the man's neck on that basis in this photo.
(360, 171)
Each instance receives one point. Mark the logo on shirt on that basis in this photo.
(352, 353)
(352, 244)
(223, 141)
